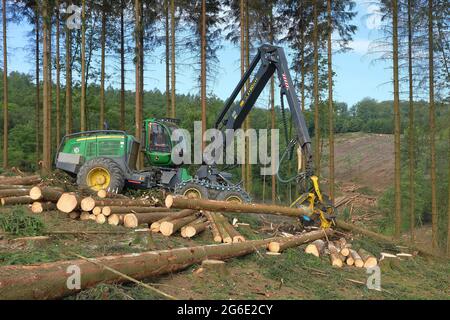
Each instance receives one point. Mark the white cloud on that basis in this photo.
(360, 46)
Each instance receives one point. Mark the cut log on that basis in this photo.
(109, 210)
(85, 216)
(369, 260)
(224, 206)
(226, 238)
(39, 207)
(234, 234)
(116, 219)
(336, 260)
(29, 180)
(69, 202)
(49, 280)
(316, 248)
(7, 186)
(102, 194)
(168, 228)
(133, 220)
(74, 215)
(11, 201)
(89, 203)
(155, 226)
(296, 241)
(350, 261)
(97, 210)
(100, 219)
(214, 230)
(194, 228)
(5, 193)
(343, 247)
(45, 194)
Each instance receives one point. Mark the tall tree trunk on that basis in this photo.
(102, 69)
(242, 24)
(138, 56)
(46, 67)
(173, 59)
(398, 195)
(50, 78)
(330, 103)
(316, 89)
(69, 121)
(37, 110)
(122, 66)
(203, 69)
(167, 40)
(272, 110)
(58, 78)
(83, 68)
(411, 142)
(248, 169)
(5, 89)
(434, 212)
(448, 204)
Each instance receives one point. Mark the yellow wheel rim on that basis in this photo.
(98, 179)
(192, 193)
(234, 199)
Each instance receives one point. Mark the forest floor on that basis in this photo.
(293, 275)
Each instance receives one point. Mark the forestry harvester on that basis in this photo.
(107, 159)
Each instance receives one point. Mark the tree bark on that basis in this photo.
(28, 180)
(316, 248)
(358, 261)
(46, 67)
(133, 220)
(122, 66)
(167, 47)
(214, 230)
(83, 68)
(108, 210)
(223, 206)
(369, 260)
(138, 65)
(156, 225)
(411, 136)
(194, 228)
(102, 68)
(37, 111)
(68, 114)
(5, 88)
(16, 200)
(242, 33)
(168, 228)
(45, 194)
(203, 69)
(14, 192)
(397, 125)
(58, 77)
(330, 105)
(434, 211)
(49, 280)
(173, 99)
(89, 203)
(39, 207)
(286, 243)
(317, 154)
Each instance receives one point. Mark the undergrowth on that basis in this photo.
(18, 223)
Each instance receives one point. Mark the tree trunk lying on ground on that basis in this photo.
(10, 201)
(105, 194)
(133, 220)
(286, 243)
(168, 228)
(358, 262)
(316, 248)
(116, 219)
(45, 194)
(49, 280)
(39, 207)
(369, 260)
(5, 193)
(155, 226)
(68, 202)
(29, 180)
(8, 186)
(232, 232)
(194, 228)
(89, 203)
(335, 256)
(109, 210)
(223, 206)
(214, 229)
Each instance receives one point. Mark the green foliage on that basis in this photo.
(19, 223)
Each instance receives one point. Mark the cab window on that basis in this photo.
(158, 138)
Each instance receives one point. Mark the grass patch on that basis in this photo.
(19, 223)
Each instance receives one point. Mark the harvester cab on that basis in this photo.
(107, 159)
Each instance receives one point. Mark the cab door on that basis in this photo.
(159, 145)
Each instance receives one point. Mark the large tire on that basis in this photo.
(193, 190)
(234, 196)
(101, 173)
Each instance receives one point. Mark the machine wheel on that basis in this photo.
(233, 196)
(193, 191)
(101, 173)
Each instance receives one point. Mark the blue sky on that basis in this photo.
(357, 75)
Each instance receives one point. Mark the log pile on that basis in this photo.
(15, 190)
(341, 253)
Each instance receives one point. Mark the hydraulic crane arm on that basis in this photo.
(272, 60)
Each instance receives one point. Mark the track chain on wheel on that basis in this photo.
(214, 188)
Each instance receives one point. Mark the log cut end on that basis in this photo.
(97, 211)
(100, 219)
(67, 203)
(274, 247)
(130, 221)
(88, 204)
(169, 201)
(36, 193)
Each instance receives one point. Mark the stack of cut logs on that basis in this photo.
(15, 190)
(341, 252)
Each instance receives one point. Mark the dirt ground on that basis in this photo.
(293, 275)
